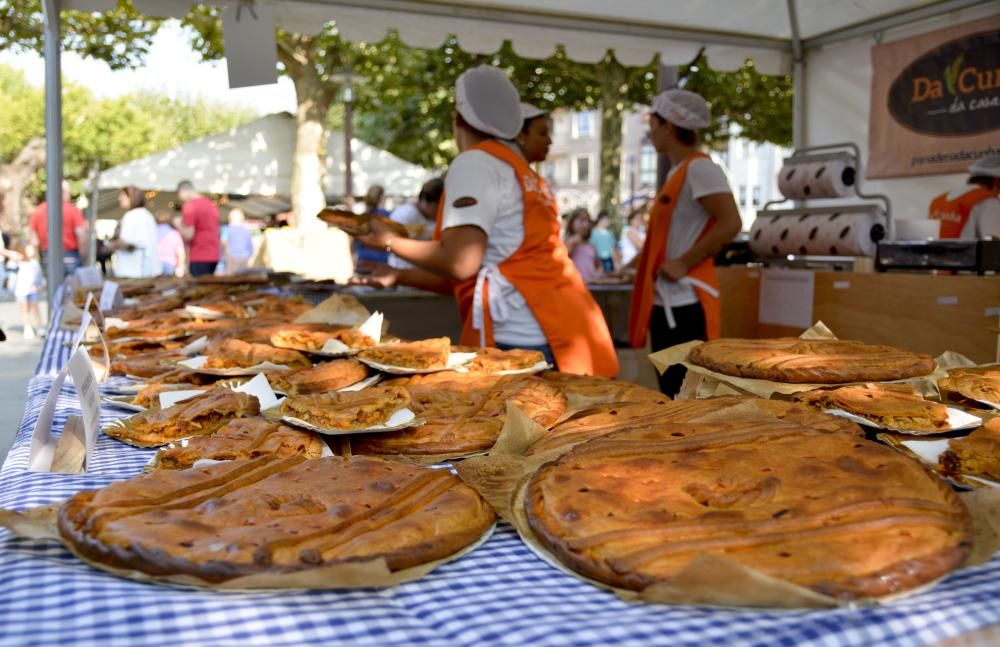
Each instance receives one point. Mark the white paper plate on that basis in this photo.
(995, 405)
(930, 451)
(531, 370)
(204, 313)
(402, 419)
(198, 364)
(362, 385)
(455, 360)
(123, 402)
(957, 419)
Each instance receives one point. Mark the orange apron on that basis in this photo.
(953, 214)
(702, 276)
(543, 273)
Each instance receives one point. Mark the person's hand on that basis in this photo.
(380, 235)
(673, 270)
(382, 276)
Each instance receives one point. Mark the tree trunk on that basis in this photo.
(13, 177)
(612, 77)
(313, 94)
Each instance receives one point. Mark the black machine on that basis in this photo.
(978, 256)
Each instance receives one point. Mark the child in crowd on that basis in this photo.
(603, 240)
(26, 291)
(578, 242)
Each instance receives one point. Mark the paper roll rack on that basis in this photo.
(857, 201)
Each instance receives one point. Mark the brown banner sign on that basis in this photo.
(935, 105)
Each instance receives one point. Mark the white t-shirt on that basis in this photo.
(627, 247)
(497, 209)
(704, 177)
(984, 219)
(29, 278)
(410, 216)
(138, 228)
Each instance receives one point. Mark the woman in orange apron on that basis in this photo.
(498, 241)
(676, 295)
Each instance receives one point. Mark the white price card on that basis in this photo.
(88, 277)
(43, 444)
(111, 296)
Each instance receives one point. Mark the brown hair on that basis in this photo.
(136, 198)
(683, 135)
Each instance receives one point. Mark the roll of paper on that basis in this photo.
(828, 234)
(848, 234)
(831, 178)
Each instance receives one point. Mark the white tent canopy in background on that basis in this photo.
(256, 159)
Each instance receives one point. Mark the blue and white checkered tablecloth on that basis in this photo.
(500, 594)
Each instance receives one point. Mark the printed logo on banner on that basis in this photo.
(951, 90)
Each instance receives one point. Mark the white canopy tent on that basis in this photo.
(780, 35)
(256, 159)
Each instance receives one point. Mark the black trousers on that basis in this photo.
(691, 325)
(203, 268)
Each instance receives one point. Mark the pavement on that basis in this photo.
(18, 357)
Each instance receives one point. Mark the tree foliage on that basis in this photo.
(120, 37)
(104, 131)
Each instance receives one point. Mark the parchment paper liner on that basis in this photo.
(502, 479)
(954, 415)
(701, 382)
(455, 361)
(897, 440)
(42, 523)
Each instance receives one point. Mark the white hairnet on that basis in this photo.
(529, 111)
(683, 108)
(986, 166)
(487, 101)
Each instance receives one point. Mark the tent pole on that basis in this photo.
(665, 80)
(53, 147)
(798, 80)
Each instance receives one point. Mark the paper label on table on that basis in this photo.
(786, 297)
(841, 285)
(250, 46)
(43, 445)
(947, 301)
(170, 398)
(82, 371)
(95, 310)
(88, 277)
(111, 296)
(85, 321)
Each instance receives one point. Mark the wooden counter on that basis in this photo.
(920, 312)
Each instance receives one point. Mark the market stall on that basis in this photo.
(503, 591)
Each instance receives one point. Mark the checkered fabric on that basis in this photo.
(499, 594)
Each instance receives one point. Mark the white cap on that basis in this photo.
(683, 108)
(529, 111)
(487, 101)
(986, 166)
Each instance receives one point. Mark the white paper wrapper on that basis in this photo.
(198, 364)
(203, 313)
(957, 419)
(531, 370)
(258, 387)
(995, 405)
(170, 398)
(402, 419)
(455, 360)
(195, 347)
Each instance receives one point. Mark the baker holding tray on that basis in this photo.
(498, 245)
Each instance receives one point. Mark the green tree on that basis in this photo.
(316, 65)
(120, 37)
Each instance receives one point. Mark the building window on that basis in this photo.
(743, 194)
(756, 196)
(647, 165)
(583, 125)
(581, 169)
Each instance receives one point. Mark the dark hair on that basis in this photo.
(136, 198)
(373, 196)
(631, 216)
(573, 216)
(684, 136)
(983, 180)
(526, 126)
(460, 120)
(185, 185)
(431, 190)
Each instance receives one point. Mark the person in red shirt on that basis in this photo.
(74, 231)
(199, 227)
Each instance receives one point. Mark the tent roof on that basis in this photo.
(256, 159)
(730, 30)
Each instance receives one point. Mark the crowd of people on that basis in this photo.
(595, 248)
